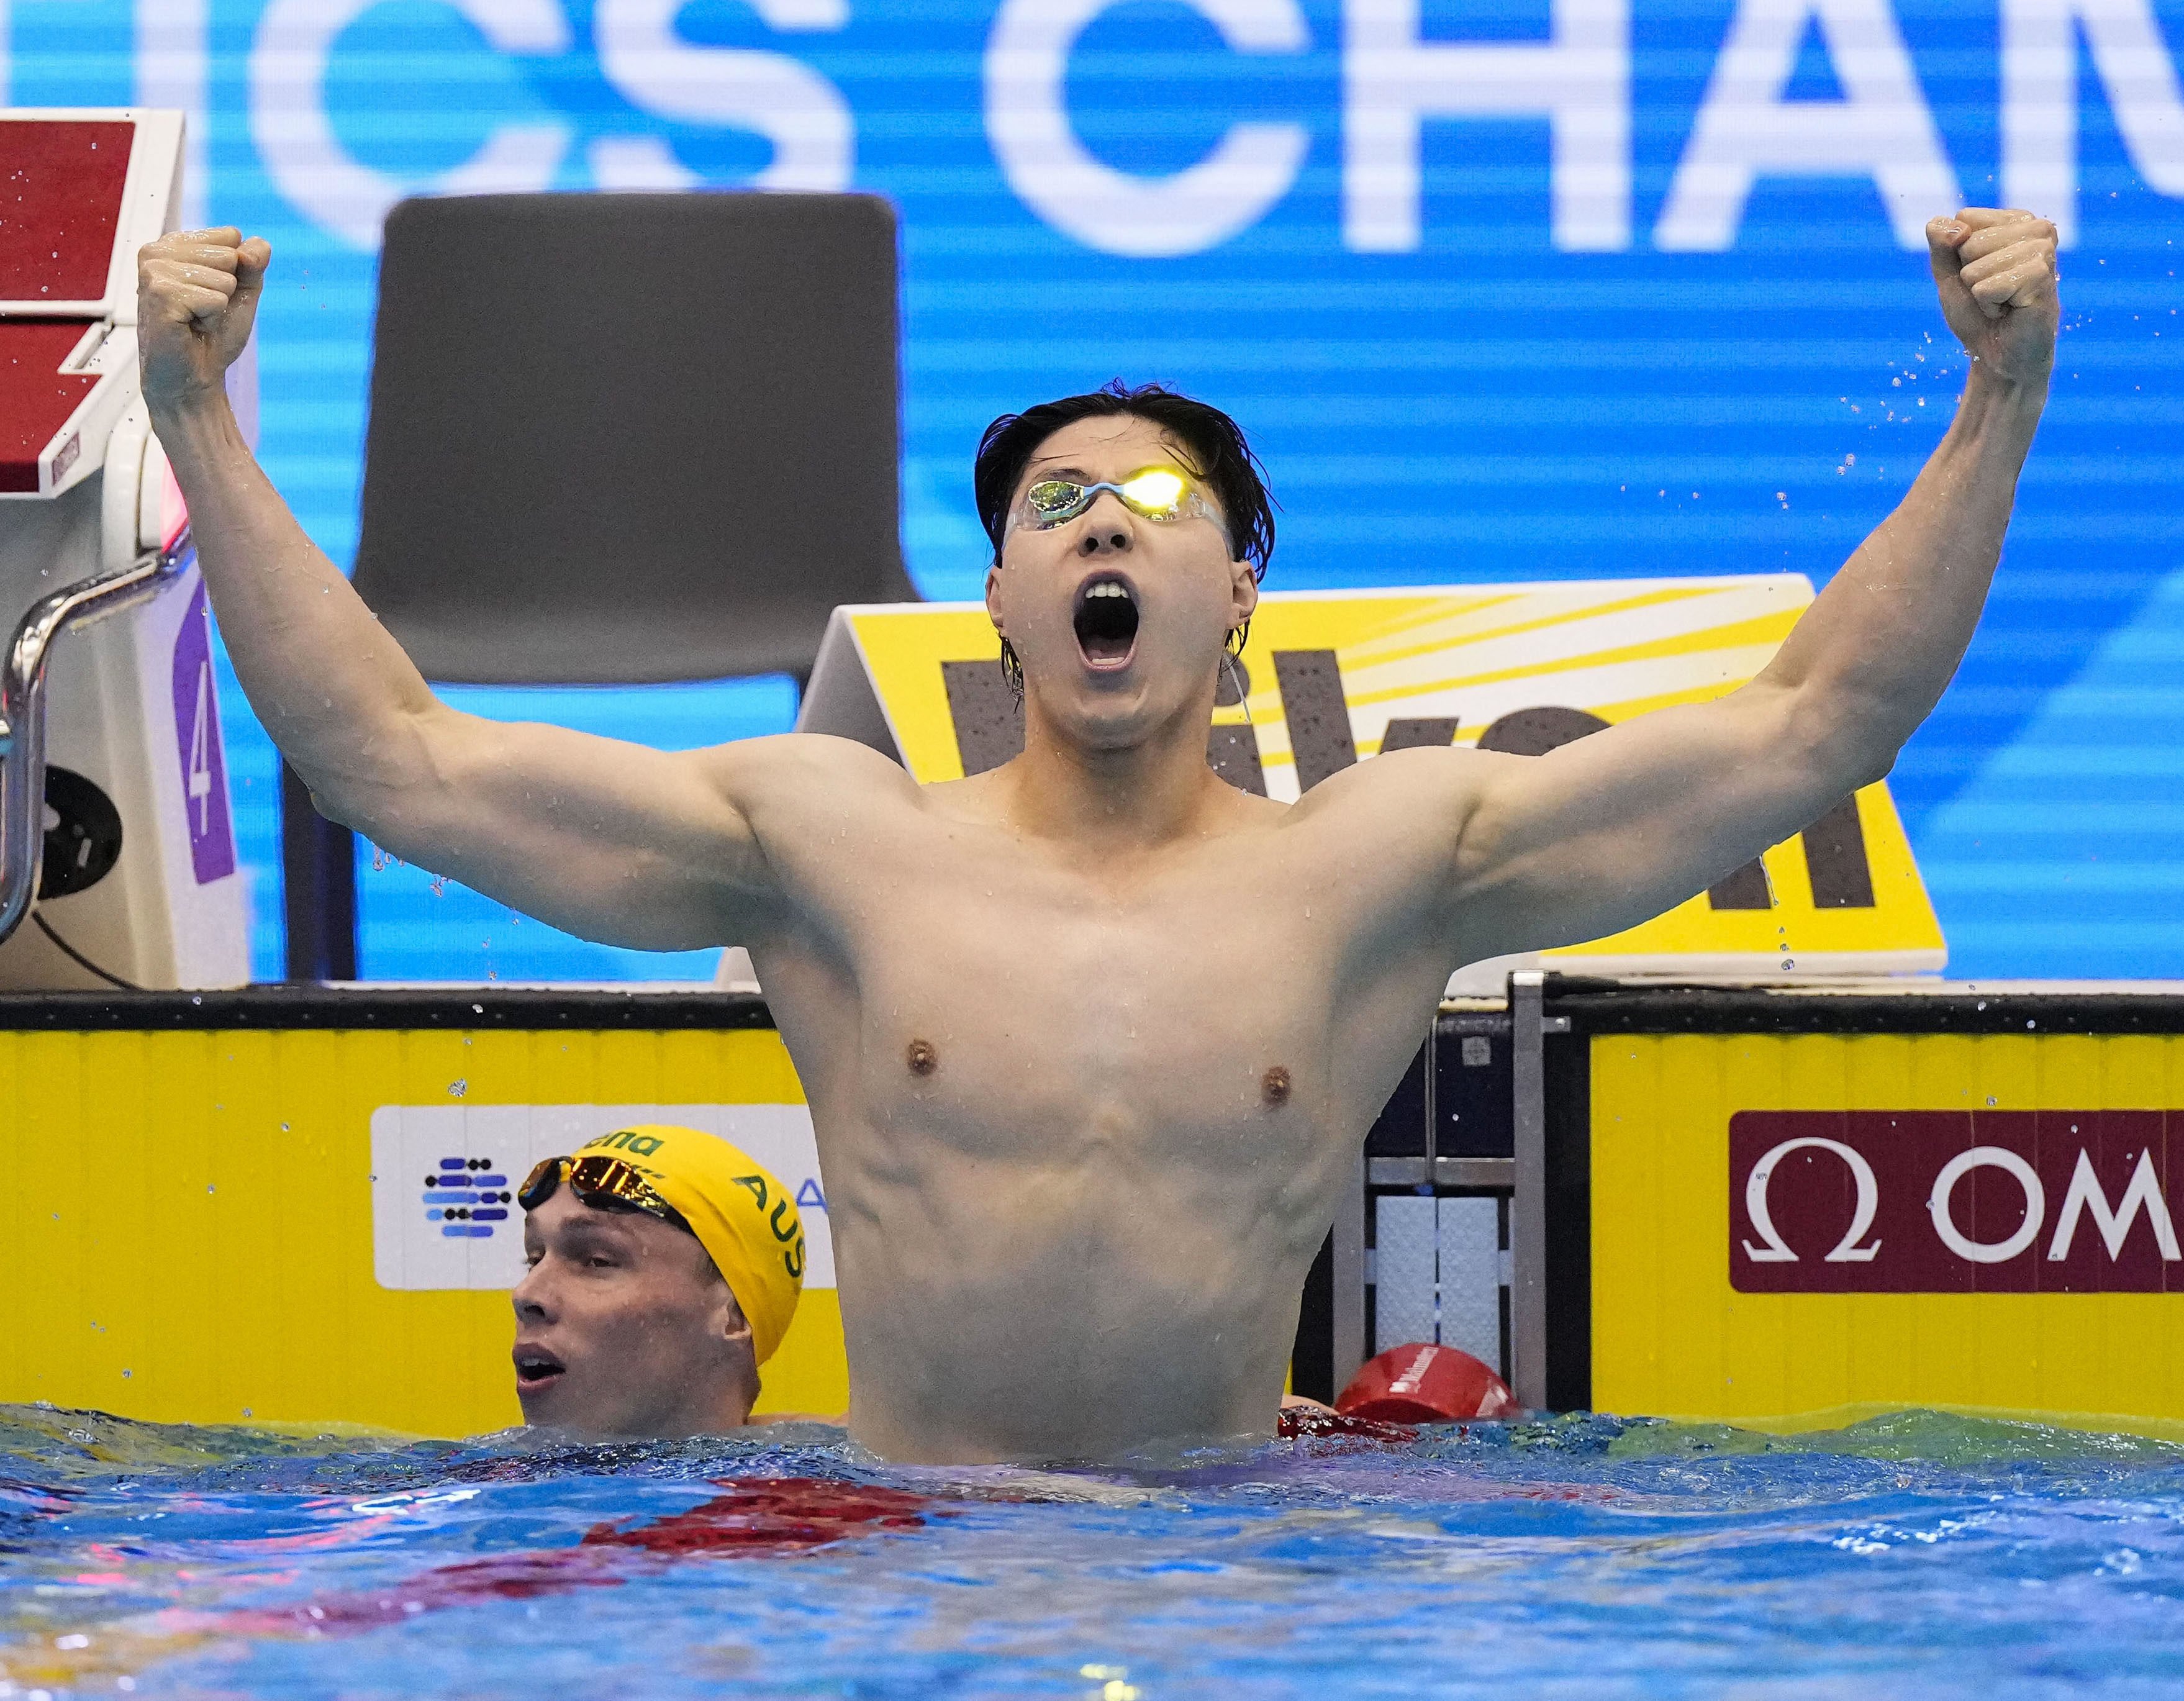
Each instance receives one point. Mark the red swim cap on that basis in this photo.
(1425, 1384)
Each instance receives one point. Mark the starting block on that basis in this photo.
(117, 850)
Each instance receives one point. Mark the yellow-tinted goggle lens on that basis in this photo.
(1056, 500)
(1158, 492)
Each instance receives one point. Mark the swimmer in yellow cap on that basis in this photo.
(665, 1265)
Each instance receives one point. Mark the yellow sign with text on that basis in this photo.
(1683, 1326)
(1334, 678)
(227, 1227)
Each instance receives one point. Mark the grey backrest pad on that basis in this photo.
(617, 438)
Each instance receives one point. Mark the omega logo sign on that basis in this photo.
(1952, 1202)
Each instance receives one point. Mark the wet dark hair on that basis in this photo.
(1213, 448)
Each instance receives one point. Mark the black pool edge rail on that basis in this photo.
(1591, 1007)
(1598, 1006)
(318, 1005)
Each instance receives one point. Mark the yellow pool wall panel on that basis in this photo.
(1672, 1338)
(189, 1218)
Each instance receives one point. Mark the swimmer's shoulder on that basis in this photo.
(751, 767)
(1419, 778)
(980, 798)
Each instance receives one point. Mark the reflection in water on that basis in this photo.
(1584, 1555)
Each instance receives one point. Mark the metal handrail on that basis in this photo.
(1527, 1207)
(23, 710)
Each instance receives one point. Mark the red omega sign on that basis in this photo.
(1953, 1201)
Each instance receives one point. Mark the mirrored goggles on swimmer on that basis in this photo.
(1162, 493)
(603, 1183)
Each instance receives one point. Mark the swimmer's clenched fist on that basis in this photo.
(1077, 1164)
(1996, 271)
(197, 299)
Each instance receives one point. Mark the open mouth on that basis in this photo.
(536, 1368)
(1107, 622)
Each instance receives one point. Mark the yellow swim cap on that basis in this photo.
(745, 1219)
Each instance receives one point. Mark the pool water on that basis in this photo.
(1912, 1555)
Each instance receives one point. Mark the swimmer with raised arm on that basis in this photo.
(1077, 1167)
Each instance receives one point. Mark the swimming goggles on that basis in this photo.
(603, 1183)
(1157, 492)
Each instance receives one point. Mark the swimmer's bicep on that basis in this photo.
(1615, 828)
(616, 842)
(658, 849)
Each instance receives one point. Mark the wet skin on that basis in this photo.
(1090, 1040)
(623, 1327)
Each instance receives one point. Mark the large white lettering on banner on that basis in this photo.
(2040, 99)
(1881, 128)
(1578, 80)
(801, 113)
(1028, 124)
(791, 105)
(1395, 80)
(306, 161)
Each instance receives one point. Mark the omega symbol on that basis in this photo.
(1777, 1250)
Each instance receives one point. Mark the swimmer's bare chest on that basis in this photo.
(1083, 1124)
(1180, 1012)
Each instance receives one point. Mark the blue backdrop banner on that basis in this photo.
(1501, 288)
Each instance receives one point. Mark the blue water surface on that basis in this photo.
(1583, 1556)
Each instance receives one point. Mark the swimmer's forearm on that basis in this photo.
(1873, 654)
(333, 689)
(1876, 649)
(1608, 830)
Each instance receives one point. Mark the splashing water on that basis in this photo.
(1584, 1556)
